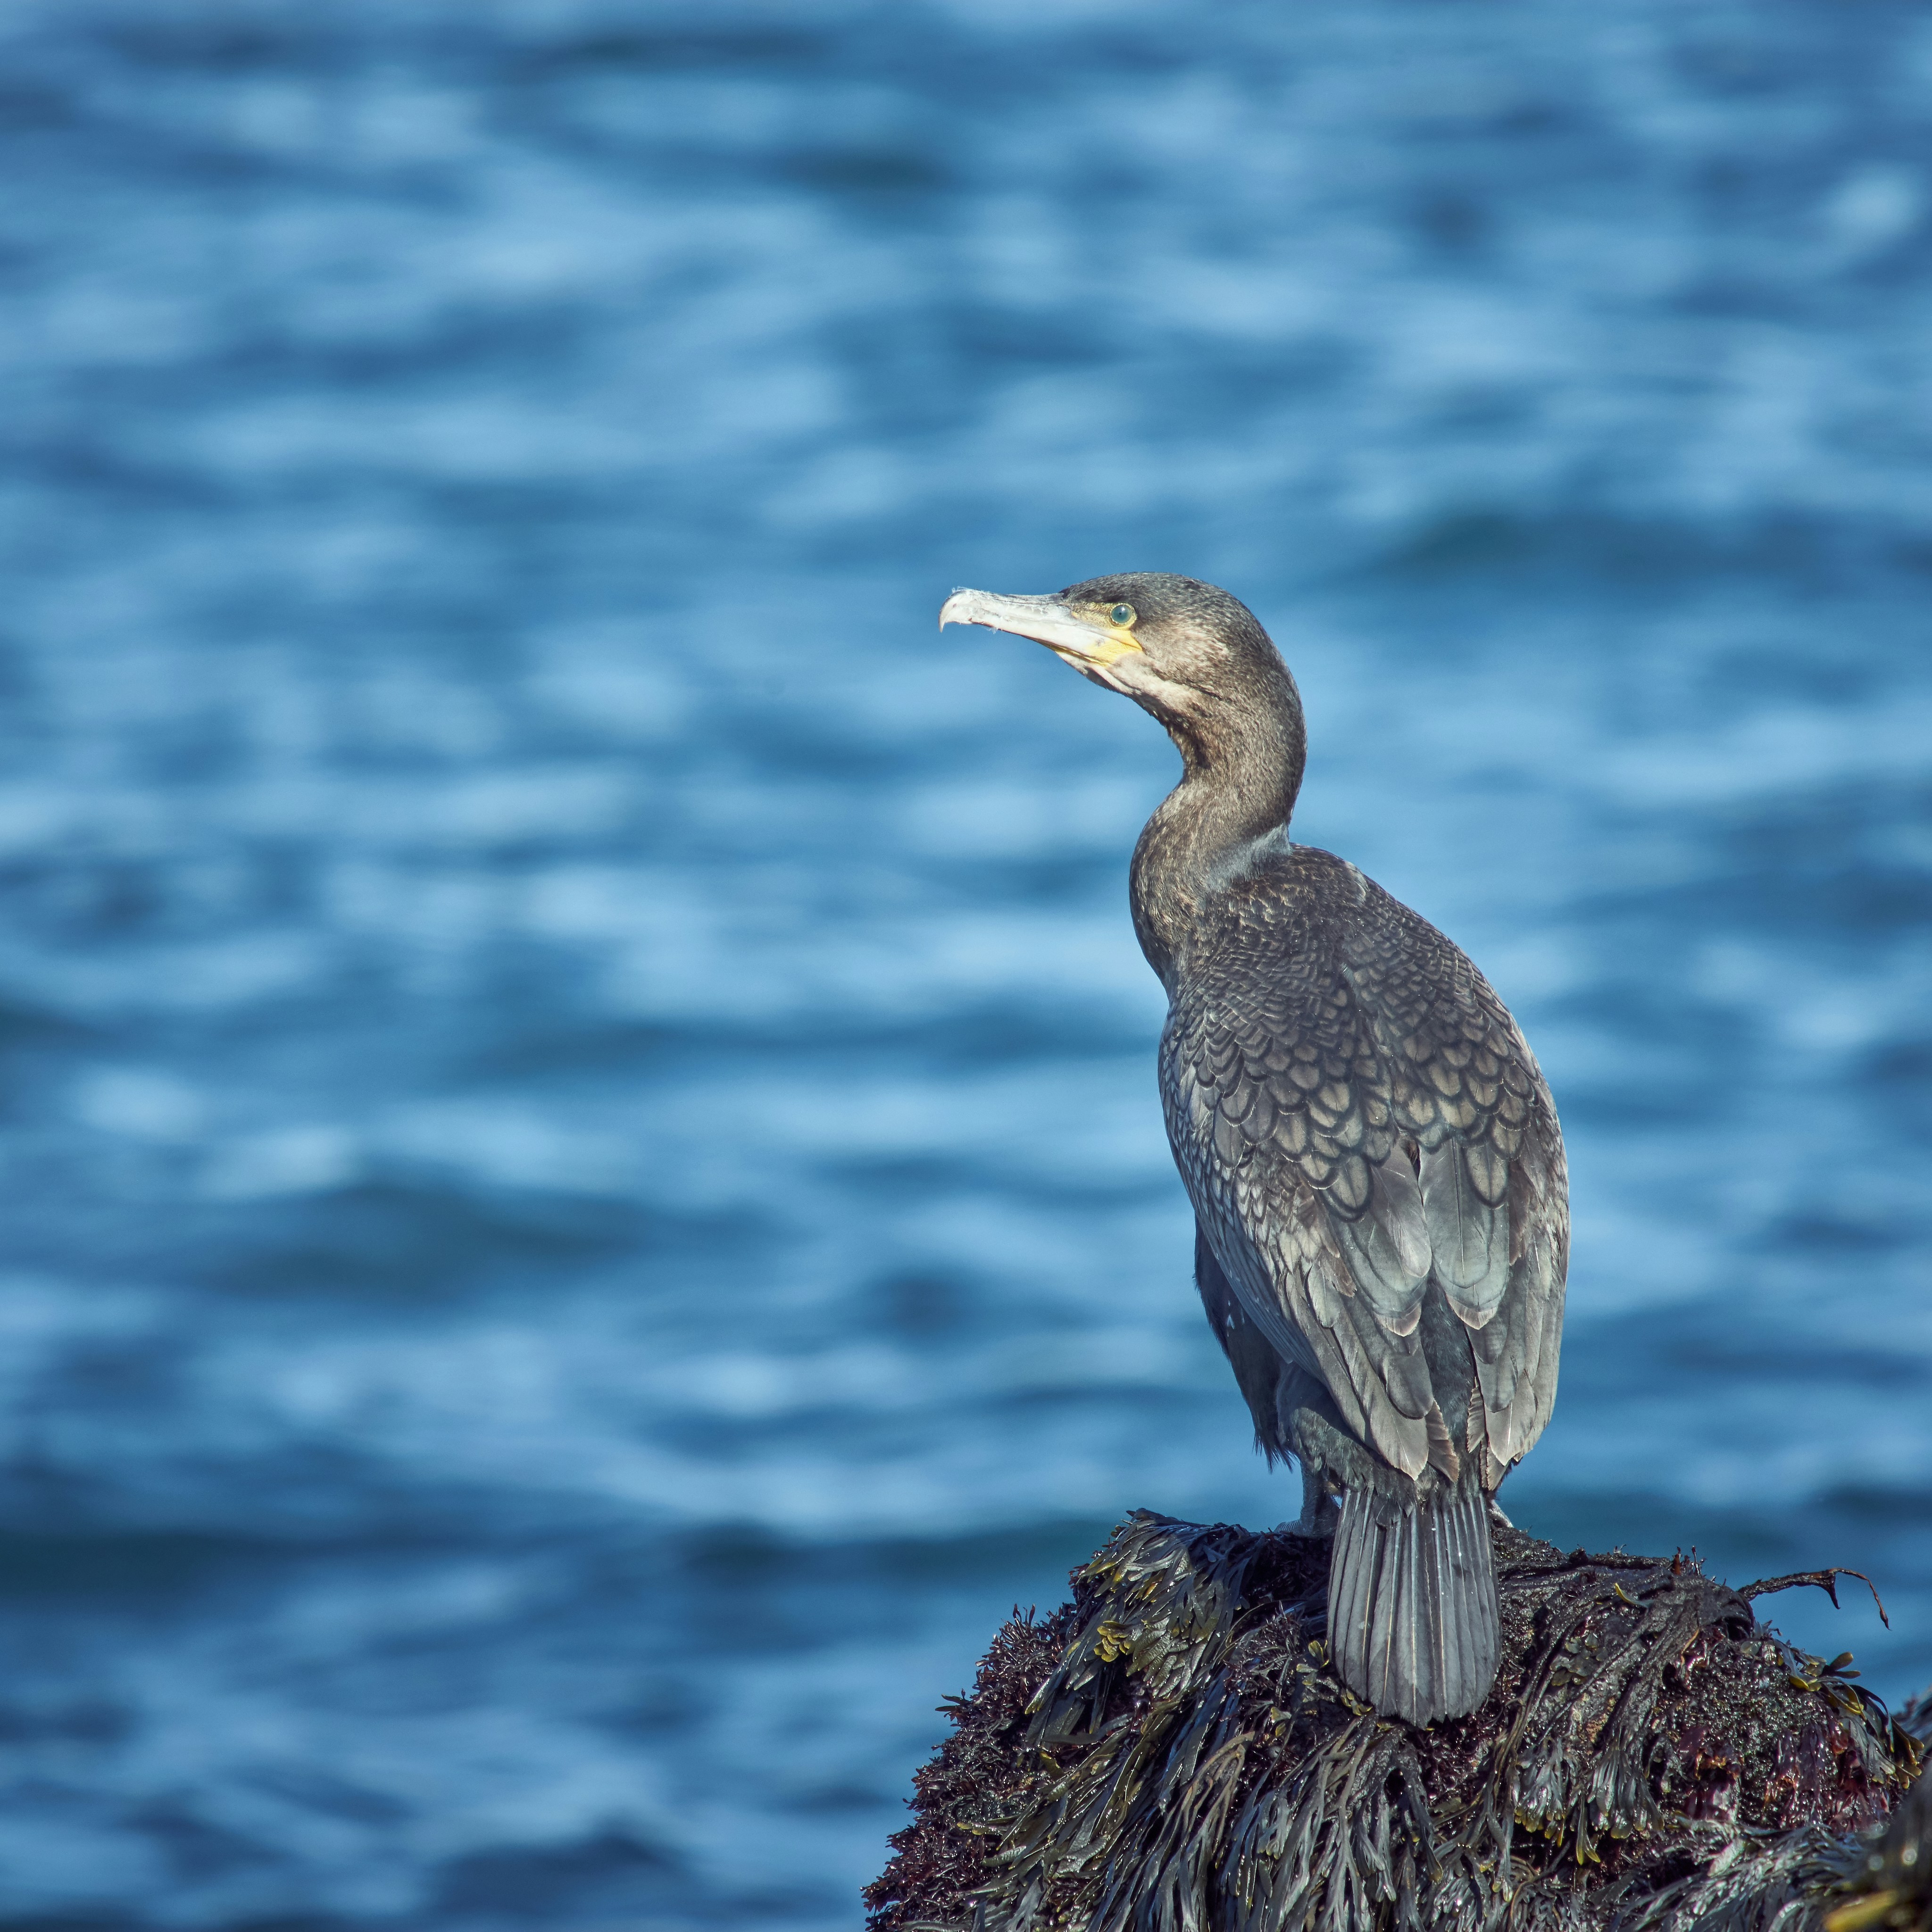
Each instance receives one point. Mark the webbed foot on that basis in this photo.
(1319, 1531)
(1320, 1512)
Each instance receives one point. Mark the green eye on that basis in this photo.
(1121, 614)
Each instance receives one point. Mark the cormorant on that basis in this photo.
(1381, 1209)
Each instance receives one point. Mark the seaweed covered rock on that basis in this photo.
(1172, 1752)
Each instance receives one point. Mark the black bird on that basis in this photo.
(1381, 1213)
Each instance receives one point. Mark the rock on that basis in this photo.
(1170, 1751)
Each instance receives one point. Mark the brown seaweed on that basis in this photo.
(1172, 1752)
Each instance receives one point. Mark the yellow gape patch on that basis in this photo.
(1113, 637)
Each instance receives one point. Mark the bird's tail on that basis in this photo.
(1413, 1622)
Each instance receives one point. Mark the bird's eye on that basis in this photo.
(1121, 614)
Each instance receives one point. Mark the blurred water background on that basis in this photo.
(586, 1205)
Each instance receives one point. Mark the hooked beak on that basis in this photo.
(1084, 643)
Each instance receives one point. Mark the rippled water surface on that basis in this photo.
(586, 1203)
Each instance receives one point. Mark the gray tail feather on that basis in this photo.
(1413, 1622)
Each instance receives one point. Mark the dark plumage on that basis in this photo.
(1376, 1165)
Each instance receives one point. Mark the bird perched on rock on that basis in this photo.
(1375, 1166)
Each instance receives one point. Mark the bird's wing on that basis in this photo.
(1282, 1116)
(1308, 1048)
(1467, 1090)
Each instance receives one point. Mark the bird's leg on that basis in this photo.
(1496, 1515)
(1319, 1511)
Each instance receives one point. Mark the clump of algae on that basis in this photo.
(1170, 1752)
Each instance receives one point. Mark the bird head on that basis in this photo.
(1180, 649)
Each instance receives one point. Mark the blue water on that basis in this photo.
(587, 1206)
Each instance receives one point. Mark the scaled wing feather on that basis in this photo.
(1324, 1032)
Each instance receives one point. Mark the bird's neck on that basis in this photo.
(1236, 791)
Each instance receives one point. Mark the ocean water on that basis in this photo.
(586, 1207)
